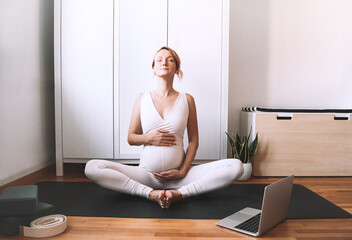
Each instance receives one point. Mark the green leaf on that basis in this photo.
(230, 139)
(253, 147)
(240, 147)
(231, 142)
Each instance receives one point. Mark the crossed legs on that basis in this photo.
(138, 181)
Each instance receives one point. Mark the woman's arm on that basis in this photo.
(135, 132)
(192, 131)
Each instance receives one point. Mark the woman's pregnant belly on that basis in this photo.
(157, 159)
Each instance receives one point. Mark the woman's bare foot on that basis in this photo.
(172, 196)
(158, 196)
(165, 197)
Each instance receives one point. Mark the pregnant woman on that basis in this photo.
(159, 119)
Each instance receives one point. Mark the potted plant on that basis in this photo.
(243, 150)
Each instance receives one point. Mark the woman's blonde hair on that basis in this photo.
(178, 72)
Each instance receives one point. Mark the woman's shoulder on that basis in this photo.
(189, 97)
(142, 94)
(139, 97)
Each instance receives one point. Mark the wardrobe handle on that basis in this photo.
(284, 117)
(341, 118)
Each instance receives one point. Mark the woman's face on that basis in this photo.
(165, 64)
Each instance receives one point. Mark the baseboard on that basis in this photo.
(28, 177)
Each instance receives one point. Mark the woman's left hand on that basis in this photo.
(169, 175)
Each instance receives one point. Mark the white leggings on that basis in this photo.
(139, 181)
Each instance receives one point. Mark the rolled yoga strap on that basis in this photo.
(46, 226)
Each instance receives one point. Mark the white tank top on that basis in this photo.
(157, 158)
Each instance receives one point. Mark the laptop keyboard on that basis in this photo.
(251, 225)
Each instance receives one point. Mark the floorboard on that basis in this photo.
(336, 189)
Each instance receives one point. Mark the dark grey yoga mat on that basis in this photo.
(89, 199)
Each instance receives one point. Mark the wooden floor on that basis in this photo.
(337, 190)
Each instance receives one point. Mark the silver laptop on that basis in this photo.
(255, 222)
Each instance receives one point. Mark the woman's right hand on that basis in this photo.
(161, 137)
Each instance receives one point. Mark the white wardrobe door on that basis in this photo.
(143, 30)
(87, 78)
(194, 31)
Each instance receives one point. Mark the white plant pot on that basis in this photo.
(247, 173)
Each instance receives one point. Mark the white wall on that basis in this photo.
(292, 53)
(289, 54)
(26, 87)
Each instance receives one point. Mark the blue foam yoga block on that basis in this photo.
(19, 200)
(9, 226)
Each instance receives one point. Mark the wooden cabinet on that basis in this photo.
(303, 144)
(103, 57)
